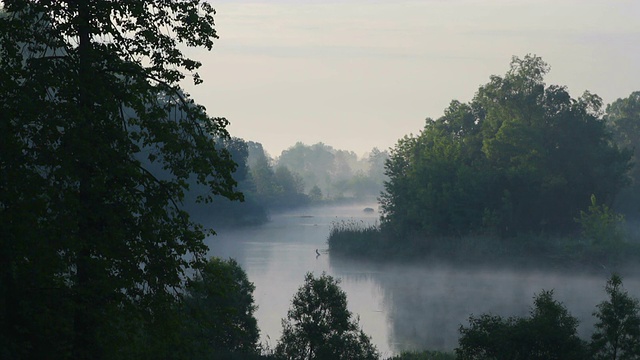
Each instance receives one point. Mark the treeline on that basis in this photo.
(301, 175)
(522, 159)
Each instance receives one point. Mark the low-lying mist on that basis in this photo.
(402, 305)
(425, 304)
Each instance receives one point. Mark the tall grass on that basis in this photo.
(359, 239)
(353, 237)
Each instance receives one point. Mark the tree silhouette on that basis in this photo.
(98, 146)
(617, 333)
(319, 326)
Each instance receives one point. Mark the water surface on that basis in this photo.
(401, 306)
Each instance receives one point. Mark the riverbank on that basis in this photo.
(365, 241)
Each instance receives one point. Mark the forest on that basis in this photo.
(302, 175)
(522, 173)
(107, 169)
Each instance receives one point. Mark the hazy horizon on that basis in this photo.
(357, 74)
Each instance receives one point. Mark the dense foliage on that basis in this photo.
(623, 119)
(97, 147)
(548, 333)
(521, 156)
(218, 312)
(320, 327)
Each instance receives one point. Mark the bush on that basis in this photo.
(548, 333)
(600, 224)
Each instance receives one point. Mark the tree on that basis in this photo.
(289, 182)
(219, 309)
(617, 333)
(548, 333)
(376, 160)
(623, 118)
(521, 157)
(315, 163)
(93, 241)
(319, 326)
(315, 194)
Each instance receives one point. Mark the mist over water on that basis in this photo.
(403, 306)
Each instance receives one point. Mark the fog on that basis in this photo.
(402, 306)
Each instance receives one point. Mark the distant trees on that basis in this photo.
(273, 188)
(320, 327)
(337, 173)
(302, 175)
(521, 156)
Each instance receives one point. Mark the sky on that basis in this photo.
(359, 74)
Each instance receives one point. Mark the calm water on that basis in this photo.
(403, 306)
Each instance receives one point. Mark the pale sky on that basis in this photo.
(356, 74)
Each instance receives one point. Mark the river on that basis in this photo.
(401, 306)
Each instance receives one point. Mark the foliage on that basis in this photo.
(337, 173)
(315, 194)
(623, 118)
(221, 211)
(319, 325)
(617, 333)
(520, 157)
(600, 224)
(98, 146)
(218, 312)
(279, 188)
(548, 333)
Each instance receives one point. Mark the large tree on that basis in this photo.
(521, 156)
(98, 146)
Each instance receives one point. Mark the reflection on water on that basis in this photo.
(401, 306)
